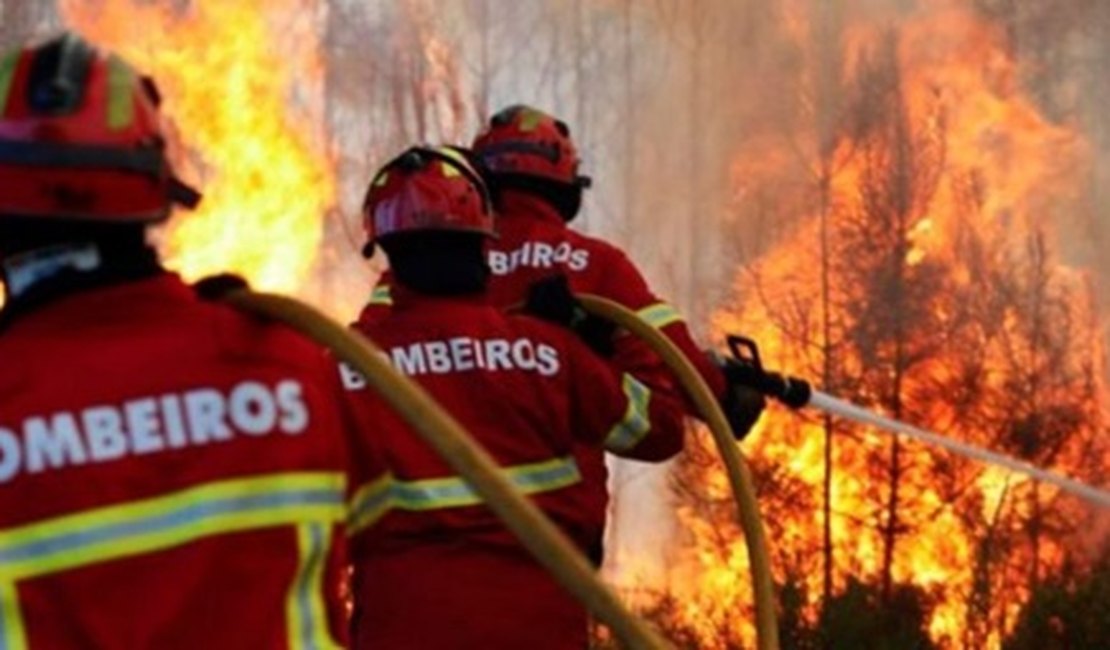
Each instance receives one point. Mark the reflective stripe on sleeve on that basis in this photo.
(635, 424)
(381, 295)
(659, 315)
(372, 502)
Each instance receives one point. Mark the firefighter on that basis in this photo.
(433, 567)
(532, 165)
(172, 473)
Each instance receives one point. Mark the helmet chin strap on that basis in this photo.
(54, 259)
(568, 203)
(24, 271)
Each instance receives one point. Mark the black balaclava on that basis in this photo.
(43, 259)
(566, 198)
(438, 263)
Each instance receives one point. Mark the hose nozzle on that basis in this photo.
(746, 368)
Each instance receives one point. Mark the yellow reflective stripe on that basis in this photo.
(454, 155)
(121, 100)
(530, 118)
(306, 615)
(458, 159)
(635, 424)
(545, 476)
(369, 504)
(381, 295)
(659, 315)
(454, 492)
(12, 634)
(8, 65)
(163, 522)
(386, 493)
(449, 170)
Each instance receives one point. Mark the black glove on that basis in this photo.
(741, 403)
(742, 407)
(551, 300)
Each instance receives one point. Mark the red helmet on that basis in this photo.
(80, 138)
(525, 141)
(427, 188)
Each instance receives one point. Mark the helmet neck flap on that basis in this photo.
(53, 260)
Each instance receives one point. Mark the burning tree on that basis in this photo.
(944, 305)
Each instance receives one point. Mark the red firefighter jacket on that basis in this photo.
(172, 475)
(534, 243)
(437, 565)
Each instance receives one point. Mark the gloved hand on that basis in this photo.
(741, 404)
(551, 299)
(742, 407)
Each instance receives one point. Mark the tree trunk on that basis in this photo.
(629, 162)
(486, 73)
(826, 383)
(827, 47)
(903, 191)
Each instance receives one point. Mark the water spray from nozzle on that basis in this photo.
(746, 368)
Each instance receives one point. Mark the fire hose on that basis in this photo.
(739, 474)
(797, 393)
(452, 443)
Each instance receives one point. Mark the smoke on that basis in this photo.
(651, 94)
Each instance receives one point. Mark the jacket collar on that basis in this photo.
(405, 299)
(105, 302)
(515, 204)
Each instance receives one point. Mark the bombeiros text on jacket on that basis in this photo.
(463, 354)
(151, 424)
(539, 255)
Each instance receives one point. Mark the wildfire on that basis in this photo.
(242, 83)
(943, 286)
(947, 305)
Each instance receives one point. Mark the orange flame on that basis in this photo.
(242, 83)
(1000, 167)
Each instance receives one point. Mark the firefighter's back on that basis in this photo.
(438, 554)
(534, 245)
(171, 476)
